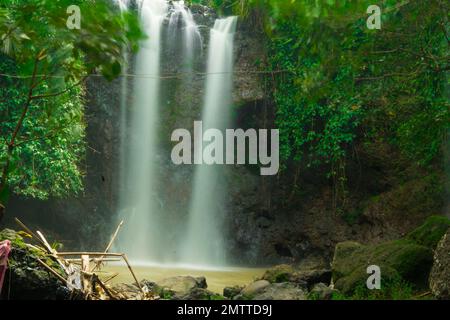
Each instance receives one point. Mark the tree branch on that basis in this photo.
(55, 94)
(18, 127)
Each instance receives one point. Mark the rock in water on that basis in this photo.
(184, 288)
(440, 273)
(230, 292)
(281, 291)
(254, 288)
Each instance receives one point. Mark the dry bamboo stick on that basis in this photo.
(111, 277)
(56, 274)
(132, 273)
(109, 245)
(35, 248)
(85, 278)
(46, 244)
(94, 260)
(80, 253)
(52, 251)
(27, 230)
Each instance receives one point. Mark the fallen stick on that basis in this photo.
(27, 230)
(132, 273)
(86, 279)
(52, 251)
(109, 244)
(56, 274)
(94, 260)
(35, 248)
(423, 295)
(95, 278)
(81, 253)
(110, 277)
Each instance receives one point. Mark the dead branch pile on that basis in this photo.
(79, 271)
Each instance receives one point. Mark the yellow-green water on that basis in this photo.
(217, 279)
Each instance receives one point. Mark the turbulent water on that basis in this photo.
(148, 235)
(204, 241)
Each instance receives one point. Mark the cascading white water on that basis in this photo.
(141, 234)
(204, 243)
(146, 236)
(123, 4)
(191, 34)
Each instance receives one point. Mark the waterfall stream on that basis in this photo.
(148, 233)
(141, 232)
(204, 239)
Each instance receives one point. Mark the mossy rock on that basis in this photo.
(26, 278)
(341, 266)
(278, 274)
(397, 259)
(431, 232)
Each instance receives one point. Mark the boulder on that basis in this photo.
(230, 292)
(409, 259)
(305, 278)
(183, 288)
(431, 232)
(400, 258)
(440, 272)
(127, 291)
(254, 288)
(280, 273)
(321, 291)
(281, 291)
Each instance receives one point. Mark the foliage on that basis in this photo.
(46, 159)
(344, 78)
(431, 232)
(42, 108)
(400, 258)
(392, 289)
(342, 84)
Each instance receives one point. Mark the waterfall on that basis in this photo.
(141, 234)
(204, 242)
(148, 233)
(123, 4)
(191, 34)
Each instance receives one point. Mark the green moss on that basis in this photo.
(394, 288)
(21, 253)
(278, 274)
(430, 232)
(166, 294)
(397, 259)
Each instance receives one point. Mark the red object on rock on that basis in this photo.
(5, 248)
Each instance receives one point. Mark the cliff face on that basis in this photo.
(285, 218)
